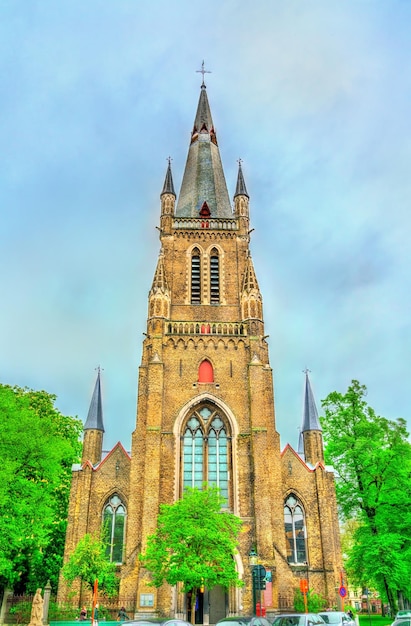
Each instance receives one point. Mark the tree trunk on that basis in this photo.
(390, 598)
(193, 606)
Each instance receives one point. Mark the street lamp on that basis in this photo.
(253, 557)
(253, 560)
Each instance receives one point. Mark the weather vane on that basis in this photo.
(203, 71)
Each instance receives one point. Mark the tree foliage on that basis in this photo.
(315, 602)
(194, 543)
(38, 447)
(89, 563)
(372, 459)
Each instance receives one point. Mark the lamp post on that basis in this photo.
(253, 560)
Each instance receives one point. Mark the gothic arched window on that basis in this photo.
(214, 277)
(295, 530)
(206, 450)
(195, 277)
(114, 526)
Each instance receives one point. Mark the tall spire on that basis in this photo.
(95, 413)
(203, 179)
(203, 120)
(310, 415)
(168, 186)
(241, 189)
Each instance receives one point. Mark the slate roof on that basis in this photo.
(94, 419)
(203, 179)
(310, 415)
(241, 189)
(168, 186)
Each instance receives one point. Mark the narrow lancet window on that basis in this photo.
(217, 456)
(193, 454)
(295, 531)
(114, 516)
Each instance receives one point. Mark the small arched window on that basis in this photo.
(195, 277)
(295, 530)
(214, 277)
(114, 526)
(205, 372)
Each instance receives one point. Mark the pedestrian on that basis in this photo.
(95, 617)
(122, 615)
(83, 614)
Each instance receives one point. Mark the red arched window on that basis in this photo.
(205, 372)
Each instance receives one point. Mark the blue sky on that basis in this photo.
(314, 96)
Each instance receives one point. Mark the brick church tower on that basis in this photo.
(205, 410)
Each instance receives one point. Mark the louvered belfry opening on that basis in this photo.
(195, 277)
(214, 277)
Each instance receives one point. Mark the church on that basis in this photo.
(205, 413)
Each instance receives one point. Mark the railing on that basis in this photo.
(208, 222)
(206, 328)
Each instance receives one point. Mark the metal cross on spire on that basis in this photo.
(203, 71)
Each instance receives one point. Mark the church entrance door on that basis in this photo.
(218, 604)
(199, 607)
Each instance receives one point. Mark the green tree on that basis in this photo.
(89, 563)
(194, 543)
(315, 601)
(372, 459)
(38, 446)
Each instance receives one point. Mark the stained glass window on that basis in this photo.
(206, 450)
(114, 517)
(295, 531)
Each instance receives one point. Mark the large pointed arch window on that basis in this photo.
(214, 277)
(114, 525)
(295, 530)
(195, 276)
(206, 450)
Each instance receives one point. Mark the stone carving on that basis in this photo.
(36, 618)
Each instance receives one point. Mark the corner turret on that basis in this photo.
(311, 430)
(241, 202)
(159, 298)
(168, 202)
(251, 300)
(94, 428)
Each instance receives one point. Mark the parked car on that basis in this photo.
(243, 621)
(154, 621)
(298, 619)
(404, 613)
(337, 618)
(402, 621)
